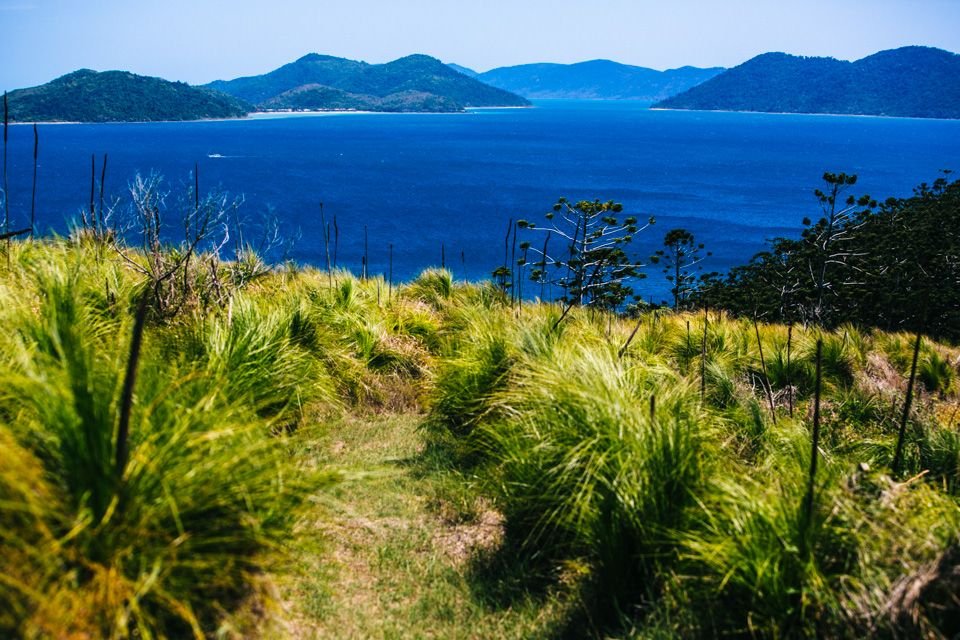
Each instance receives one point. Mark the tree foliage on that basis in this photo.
(887, 83)
(681, 258)
(593, 267)
(893, 265)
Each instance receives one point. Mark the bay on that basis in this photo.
(419, 181)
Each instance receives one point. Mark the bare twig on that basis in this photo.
(103, 178)
(703, 358)
(14, 234)
(789, 377)
(626, 344)
(326, 243)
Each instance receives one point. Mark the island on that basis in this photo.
(592, 80)
(920, 82)
(415, 83)
(412, 83)
(119, 96)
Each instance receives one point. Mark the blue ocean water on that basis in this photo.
(422, 180)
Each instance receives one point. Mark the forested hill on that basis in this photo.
(413, 83)
(595, 80)
(119, 96)
(918, 82)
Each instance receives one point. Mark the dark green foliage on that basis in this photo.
(894, 267)
(118, 96)
(413, 83)
(918, 82)
(315, 96)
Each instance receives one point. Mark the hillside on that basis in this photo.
(119, 96)
(595, 79)
(309, 96)
(909, 82)
(413, 83)
(470, 73)
(309, 454)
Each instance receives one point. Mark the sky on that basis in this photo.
(197, 41)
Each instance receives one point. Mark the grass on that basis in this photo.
(159, 546)
(393, 547)
(691, 522)
(313, 455)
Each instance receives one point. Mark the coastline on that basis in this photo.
(276, 115)
(58, 122)
(524, 106)
(806, 113)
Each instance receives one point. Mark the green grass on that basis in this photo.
(313, 455)
(391, 553)
(161, 546)
(692, 523)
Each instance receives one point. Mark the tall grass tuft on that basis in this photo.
(433, 286)
(467, 379)
(164, 545)
(582, 467)
(253, 357)
(764, 566)
(935, 373)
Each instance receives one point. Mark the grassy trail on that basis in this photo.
(391, 551)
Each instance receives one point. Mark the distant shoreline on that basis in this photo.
(58, 122)
(329, 112)
(805, 113)
(276, 115)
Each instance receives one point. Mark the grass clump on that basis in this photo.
(583, 469)
(160, 546)
(172, 541)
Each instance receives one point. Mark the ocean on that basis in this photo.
(444, 186)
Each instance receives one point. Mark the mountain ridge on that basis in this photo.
(415, 82)
(595, 79)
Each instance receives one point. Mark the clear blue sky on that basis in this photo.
(199, 40)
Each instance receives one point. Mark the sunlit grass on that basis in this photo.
(647, 472)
